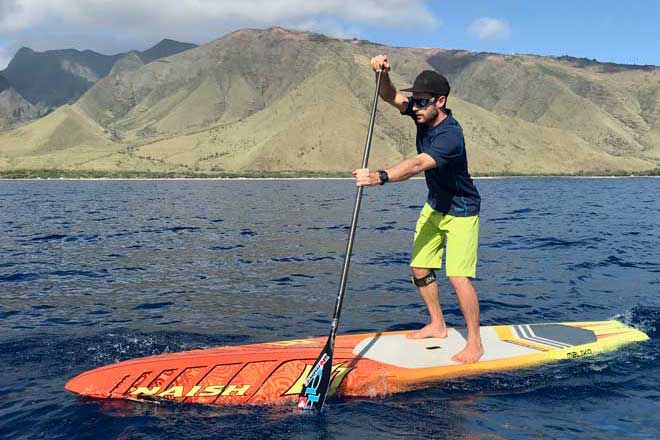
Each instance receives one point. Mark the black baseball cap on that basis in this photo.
(430, 82)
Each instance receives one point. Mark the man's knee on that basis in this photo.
(458, 282)
(419, 272)
(423, 276)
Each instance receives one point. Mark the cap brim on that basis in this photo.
(414, 90)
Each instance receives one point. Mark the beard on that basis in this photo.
(426, 116)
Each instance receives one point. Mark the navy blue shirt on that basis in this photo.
(451, 189)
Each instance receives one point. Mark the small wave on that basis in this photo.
(49, 237)
(8, 313)
(320, 258)
(98, 312)
(123, 233)
(406, 326)
(19, 277)
(520, 211)
(152, 306)
(643, 318)
(282, 280)
(67, 321)
(124, 345)
(613, 260)
(79, 273)
(76, 238)
(338, 227)
(287, 259)
(226, 248)
(391, 258)
(553, 242)
(129, 269)
(182, 229)
(496, 305)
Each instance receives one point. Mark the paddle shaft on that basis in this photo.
(317, 383)
(354, 220)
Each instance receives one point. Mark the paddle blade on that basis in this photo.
(315, 387)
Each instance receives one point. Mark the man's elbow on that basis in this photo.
(421, 163)
(418, 166)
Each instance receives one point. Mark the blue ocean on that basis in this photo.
(95, 272)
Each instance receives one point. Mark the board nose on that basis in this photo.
(94, 383)
(80, 385)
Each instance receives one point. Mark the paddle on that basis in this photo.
(316, 385)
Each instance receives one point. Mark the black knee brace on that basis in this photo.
(425, 280)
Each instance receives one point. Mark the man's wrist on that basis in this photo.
(383, 177)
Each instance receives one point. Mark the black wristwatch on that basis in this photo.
(384, 177)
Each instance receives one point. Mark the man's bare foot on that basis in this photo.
(429, 331)
(469, 354)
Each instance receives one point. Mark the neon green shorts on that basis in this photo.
(434, 230)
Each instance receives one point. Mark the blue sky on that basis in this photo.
(607, 30)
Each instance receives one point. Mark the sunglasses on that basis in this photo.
(422, 102)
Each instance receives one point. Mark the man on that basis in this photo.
(450, 218)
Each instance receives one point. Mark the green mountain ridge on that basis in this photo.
(279, 101)
(56, 77)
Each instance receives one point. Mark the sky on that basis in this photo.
(606, 30)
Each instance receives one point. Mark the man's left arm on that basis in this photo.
(402, 171)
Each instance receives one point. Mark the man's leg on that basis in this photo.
(462, 246)
(427, 253)
(467, 299)
(437, 328)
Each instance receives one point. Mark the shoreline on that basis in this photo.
(308, 178)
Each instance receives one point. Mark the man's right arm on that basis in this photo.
(387, 90)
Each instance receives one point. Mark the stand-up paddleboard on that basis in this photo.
(364, 364)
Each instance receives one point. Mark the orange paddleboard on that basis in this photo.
(364, 364)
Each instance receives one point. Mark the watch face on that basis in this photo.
(383, 176)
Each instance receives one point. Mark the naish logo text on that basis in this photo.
(196, 391)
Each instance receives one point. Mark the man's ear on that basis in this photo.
(441, 101)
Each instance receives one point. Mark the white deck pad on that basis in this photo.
(400, 351)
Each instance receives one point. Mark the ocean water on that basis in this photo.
(93, 272)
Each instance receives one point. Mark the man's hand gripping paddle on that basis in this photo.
(316, 385)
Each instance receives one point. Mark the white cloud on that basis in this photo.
(112, 26)
(487, 28)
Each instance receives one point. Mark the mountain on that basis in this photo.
(277, 100)
(14, 109)
(131, 61)
(56, 77)
(164, 49)
(4, 84)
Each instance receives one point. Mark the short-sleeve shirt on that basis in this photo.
(451, 189)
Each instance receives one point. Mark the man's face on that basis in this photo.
(428, 113)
